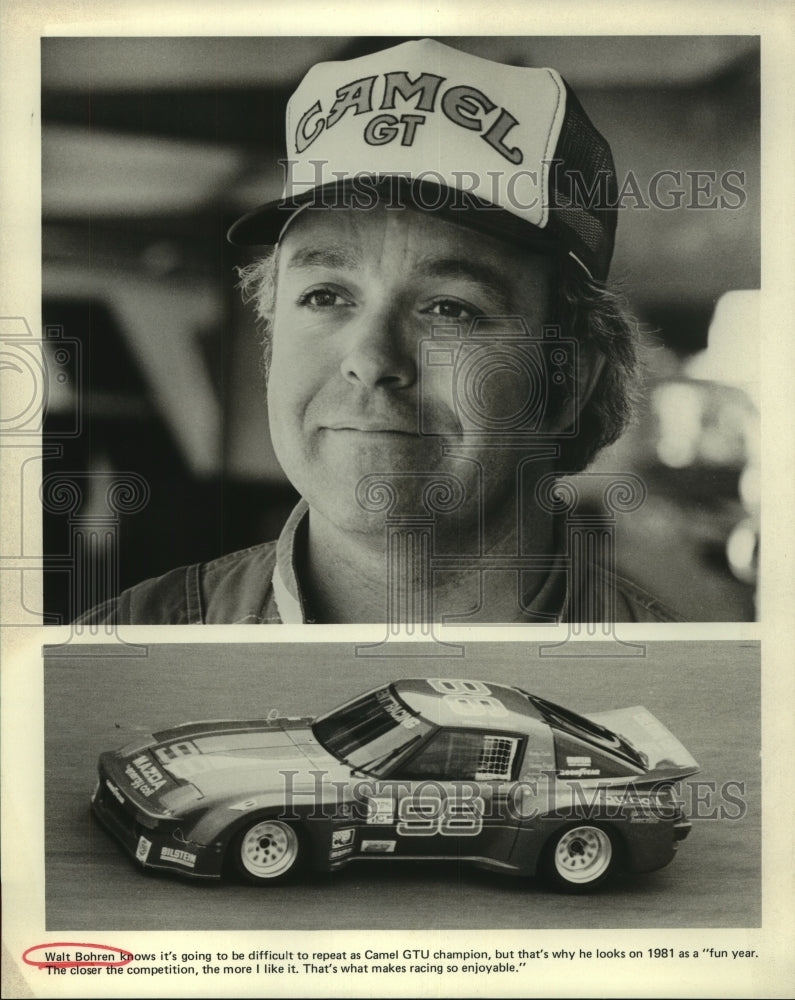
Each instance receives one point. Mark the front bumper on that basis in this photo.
(152, 843)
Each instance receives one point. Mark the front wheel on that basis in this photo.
(579, 858)
(267, 852)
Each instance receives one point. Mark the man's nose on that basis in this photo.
(380, 351)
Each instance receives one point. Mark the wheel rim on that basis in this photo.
(269, 849)
(583, 854)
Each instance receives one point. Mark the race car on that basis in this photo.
(465, 770)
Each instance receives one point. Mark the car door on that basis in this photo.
(451, 799)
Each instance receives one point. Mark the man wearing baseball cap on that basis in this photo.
(441, 348)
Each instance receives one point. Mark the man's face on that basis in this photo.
(357, 294)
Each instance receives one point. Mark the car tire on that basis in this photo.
(579, 857)
(268, 852)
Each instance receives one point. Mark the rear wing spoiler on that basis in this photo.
(647, 734)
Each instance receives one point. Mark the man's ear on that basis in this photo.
(590, 365)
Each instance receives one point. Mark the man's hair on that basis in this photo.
(596, 317)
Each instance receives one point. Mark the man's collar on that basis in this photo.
(550, 600)
(286, 591)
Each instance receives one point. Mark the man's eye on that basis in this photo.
(322, 298)
(451, 309)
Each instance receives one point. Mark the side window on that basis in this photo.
(577, 759)
(464, 755)
(496, 757)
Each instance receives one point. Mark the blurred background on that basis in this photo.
(151, 147)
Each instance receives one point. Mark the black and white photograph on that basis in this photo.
(454, 343)
(457, 330)
(304, 787)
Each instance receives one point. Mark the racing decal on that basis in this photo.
(144, 776)
(447, 685)
(380, 810)
(114, 791)
(464, 704)
(341, 838)
(143, 848)
(536, 762)
(178, 856)
(427, 816)
(639, 807)
(396, 710)
(378, 846)
(583, 757)
(174, 750)
(468, 697)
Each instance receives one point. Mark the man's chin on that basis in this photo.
(385, 451)
(332, 515)
(360, 501)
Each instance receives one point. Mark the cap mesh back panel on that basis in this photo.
(583, 187)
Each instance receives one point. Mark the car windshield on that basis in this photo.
(371, 733)
(585, 729)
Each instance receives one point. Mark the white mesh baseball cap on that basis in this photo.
(506, 150)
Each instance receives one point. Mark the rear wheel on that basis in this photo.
(579, 857)
(267, 852)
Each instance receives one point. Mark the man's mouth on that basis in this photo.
(375, 428)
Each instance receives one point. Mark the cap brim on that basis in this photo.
(264, 226)
(261, 227)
